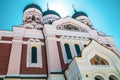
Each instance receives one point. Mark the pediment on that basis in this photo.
(70, 21)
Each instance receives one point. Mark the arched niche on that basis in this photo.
(112, 77)
(97, 60)
(98, 77)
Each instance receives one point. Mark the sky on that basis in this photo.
(104, 14)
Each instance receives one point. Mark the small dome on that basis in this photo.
(77, 14)
(50, 12)
(32, 6)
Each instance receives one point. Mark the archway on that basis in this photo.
(112, 77)
(98, 78)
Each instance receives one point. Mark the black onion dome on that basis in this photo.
(32, 6)
(50, 12)
(77, 14)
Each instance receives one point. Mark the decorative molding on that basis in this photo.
(36, 43)
(6, 33)
(33, 75)
(23, 75)
(6, 42)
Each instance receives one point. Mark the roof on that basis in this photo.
(32, 6)
(77, 14)
(50, 12)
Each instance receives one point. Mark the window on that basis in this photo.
(97, 60)
(34, 55)
(33, 18)
(112, 77)
(85, 46)
(1, 78)
(99, 78)
(78, 49)
(68, 51)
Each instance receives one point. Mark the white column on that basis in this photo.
(53, 56)
(15, 58)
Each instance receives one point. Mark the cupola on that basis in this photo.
(82, 17)
(32, 15)
(49, 16)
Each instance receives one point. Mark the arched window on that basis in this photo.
(112, 77)
(99, 78)
(34, 55)
(33, 17)
(68, 51)
(97, 60)
(1, 78)
(78, 49)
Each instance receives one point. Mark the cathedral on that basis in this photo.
(48, 47)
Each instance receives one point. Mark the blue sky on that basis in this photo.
(104, 14)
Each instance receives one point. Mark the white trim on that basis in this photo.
(6, 42)
(12, 75)
(99, 74)
(16, 40)
(23, 42)
(71, 43)
(64, 52)
(24, 75)
(71, 20)
(26, 42)
(31, 43)
(33, 75)
(73, 47)
(114, 74)
(62, 42)
(2, 76)
(6, 33)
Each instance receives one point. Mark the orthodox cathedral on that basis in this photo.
(48, 47)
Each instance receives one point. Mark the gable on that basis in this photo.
(69, 23)
(94, 48)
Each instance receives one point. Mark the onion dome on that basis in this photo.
(49, 16)
(50, 12)
(32, 16)
(77, 14)
(82, 17)
(32, 6)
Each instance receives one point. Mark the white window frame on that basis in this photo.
(66, 60)
(34, 43)
(71, 43)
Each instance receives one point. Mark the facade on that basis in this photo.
(48, 47)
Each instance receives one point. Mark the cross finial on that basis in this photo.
(74, 9)
(33, 2)
(47, 6)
